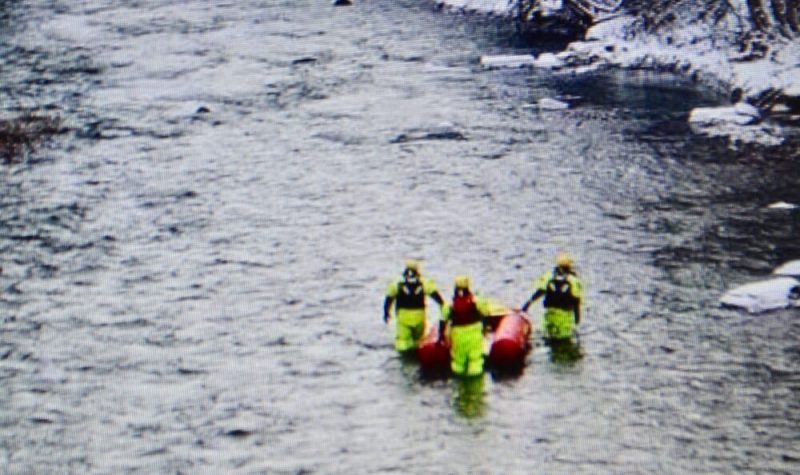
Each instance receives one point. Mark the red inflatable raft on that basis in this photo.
(509, 343)
(434, 357)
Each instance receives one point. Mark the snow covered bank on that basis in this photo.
(708, 54)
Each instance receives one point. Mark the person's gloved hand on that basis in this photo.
(440, 338)
(386, 317)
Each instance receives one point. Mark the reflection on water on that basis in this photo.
(565, 352)
(468, 397)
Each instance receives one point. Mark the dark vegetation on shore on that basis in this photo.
(23, 130)
(759, 22)
(22, 135)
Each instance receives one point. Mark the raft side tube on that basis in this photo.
(510, 342)
(434, 357)
(509, 345)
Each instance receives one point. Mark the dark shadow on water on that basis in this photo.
(429, 376)
(505, 374)
(649, 95)
(22, 134)
(495, 33)
(408, 363)
(468, 397)
(565, 352)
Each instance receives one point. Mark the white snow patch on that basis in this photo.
(780, 108)
(613, 28)
(737, 122)
(789, 269)
(588, 69)
(779, 70)
(750, 77)
(550, 7)
(552, 104)
(548, 61)
(745, 109)
(499, 7)
(782, 205)
(740, 114)
(507, 61)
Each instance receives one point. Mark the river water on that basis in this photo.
(193, 273)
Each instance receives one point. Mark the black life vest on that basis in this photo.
(410, 294)
(558, 293)
(464, 310)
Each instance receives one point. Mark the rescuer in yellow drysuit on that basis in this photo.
(466, 316)
(408, 293)
(563, 292)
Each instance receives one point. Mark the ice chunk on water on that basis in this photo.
(762, 296)
(790, 269)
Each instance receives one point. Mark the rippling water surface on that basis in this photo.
(194, 272)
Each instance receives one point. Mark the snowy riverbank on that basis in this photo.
(771, 81)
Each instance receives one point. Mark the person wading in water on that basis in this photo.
(562, 291)
(466, 317)
(408, 294)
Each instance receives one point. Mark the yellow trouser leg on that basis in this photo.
(558, 323)
(467, 349)
(410, 328)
